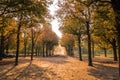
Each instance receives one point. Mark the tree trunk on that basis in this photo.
(39, 54)
(72, 53)
(49, 52)
(2, 46)
(52, 52)
(46, 50)
(7, 48)
(114, 50)
(119, 53)
(93, 52)
(69, 51)
(89, 45)
(2, 41)
(36, 51)
(105, 52)
(43, 50)
(32, 47)
(18, 43)
(25, 47)
(116, 8)
(79, 47)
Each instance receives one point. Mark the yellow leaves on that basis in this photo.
(8, 25)
(47, 35)
(47, 25)
(79, 6)
(67, 40)
(105, 22)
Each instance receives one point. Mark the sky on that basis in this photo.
(55, 23)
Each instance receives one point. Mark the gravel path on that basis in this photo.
(58, 68)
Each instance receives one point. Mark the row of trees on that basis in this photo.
(68, 42)
(43, 40)
(49, 39)
(24, 24)
(94, 20)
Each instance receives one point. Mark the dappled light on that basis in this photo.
(58, 67)
(59, 39)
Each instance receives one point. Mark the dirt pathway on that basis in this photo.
(58, 68)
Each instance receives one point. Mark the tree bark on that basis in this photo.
(114, 50)
(49, 52)
(32, 47)
(52, 52)
(36, 51)
(43, 50)
(89, 44)
(116, 8)
(119, 53)
(105, 52)
(2, 45)
(46, 50)
(7, 48)
(0, 48)
(18, 43)
(79, 47)
(72, 53)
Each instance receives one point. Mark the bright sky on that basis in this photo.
(55, 23)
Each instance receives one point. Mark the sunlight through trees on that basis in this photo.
(90, 31)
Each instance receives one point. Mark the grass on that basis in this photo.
(96, 54)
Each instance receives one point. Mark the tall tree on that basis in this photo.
(68, 42)
(81, 9)
(116, 8)
(35, 8)
(71, 25)
(25, 33)
(7, 28)
(104, 25)
(48, 39)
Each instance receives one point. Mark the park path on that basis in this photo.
(58, 68)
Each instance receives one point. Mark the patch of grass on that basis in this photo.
(76, 54)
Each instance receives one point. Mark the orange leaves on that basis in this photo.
(67, 40)
(47, 35)
(8, 25)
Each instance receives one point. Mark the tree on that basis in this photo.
(104, 45)
(2, 38)
(48, 38)
(25, 34)
(68, 42)
(81, 10)
(35, 9)
(7, 28)
(116, 7)
(73, 26)
(35, 32)
(104, 27)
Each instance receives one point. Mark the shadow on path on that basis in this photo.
(30, 72)
(104, 72)
(34, 72)
(1, 75)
